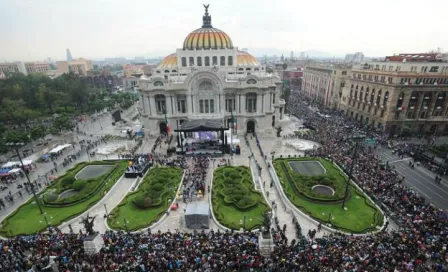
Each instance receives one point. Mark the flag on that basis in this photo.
(167, 125)
(233, 120)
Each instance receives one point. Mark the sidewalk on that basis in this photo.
(284, 212)
(110, 201)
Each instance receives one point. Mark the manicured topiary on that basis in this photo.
(51, 197)
(67, 181)
(79, 184)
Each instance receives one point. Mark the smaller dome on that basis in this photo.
(246, 59)
(168, 62)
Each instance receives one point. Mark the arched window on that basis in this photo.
(184, 62)
(247, 69)
(199, 61)
(240, 69)
(167, 71)
(372, 96)
(191, 61)
(366, 97)
(207, 61)
(251, 102)
(173, 71)
(222, 61)
(215, 60)
(361, 94)
(256, 69)
(230, 61)
(160, 103)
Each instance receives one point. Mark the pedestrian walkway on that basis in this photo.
(176, 219)
(99, 210)
(285, 213)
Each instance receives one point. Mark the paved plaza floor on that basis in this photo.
(250, 156)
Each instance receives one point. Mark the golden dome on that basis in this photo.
(207, 37)
(246, 59)
(168, 62)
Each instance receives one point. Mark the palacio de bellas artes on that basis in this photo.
(210, 78)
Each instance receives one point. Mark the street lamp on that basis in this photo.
(356, 139)
(16, 148)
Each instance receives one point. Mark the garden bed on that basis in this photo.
(360, 215)
(27, 219)
(235, 202)
(149, 203)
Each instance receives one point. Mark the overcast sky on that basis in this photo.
(37, 29)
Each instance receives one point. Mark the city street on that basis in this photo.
(91, 128)
(419, 178)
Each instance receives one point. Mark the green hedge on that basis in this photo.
(234, 197)
(303, 184)
(68, 180)
(27, 219)
(361, 216)
(150, 202)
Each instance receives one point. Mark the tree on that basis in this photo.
(62, 123)
(38, 132)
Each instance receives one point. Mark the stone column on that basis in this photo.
(259, 103)
(148, 102)
(143, 104)
(189, 106)
(243, 103)
(237, 103)
(152, 103)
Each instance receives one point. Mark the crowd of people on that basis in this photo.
(195, 177)
(418, 244)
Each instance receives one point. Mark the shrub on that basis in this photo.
(139, 201)
(51, 197)
(67, 181)
(79, 184)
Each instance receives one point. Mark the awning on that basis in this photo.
(202, 125)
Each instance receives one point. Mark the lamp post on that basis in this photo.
(356, 138)
(16, 148)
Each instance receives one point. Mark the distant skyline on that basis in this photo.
(33, 30)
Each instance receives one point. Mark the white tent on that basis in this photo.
(59, 148)
(9, 164)
(197, 216)
(27, 162)
(15, 170)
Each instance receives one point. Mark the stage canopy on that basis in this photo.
(201, 125)
(197, 216)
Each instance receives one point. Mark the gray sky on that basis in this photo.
(36, 29)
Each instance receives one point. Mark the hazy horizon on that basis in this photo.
(33, 30)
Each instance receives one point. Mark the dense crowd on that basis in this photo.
(418, 244)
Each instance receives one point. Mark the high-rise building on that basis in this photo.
(245, 50)
(292, 55)
(405, 93)
(357, 57)
(69, 55)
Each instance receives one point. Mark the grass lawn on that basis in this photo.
(137, 217)
(361, 215)
(27, 219)
(236, 204)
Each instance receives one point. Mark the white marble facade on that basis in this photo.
(207, 80)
